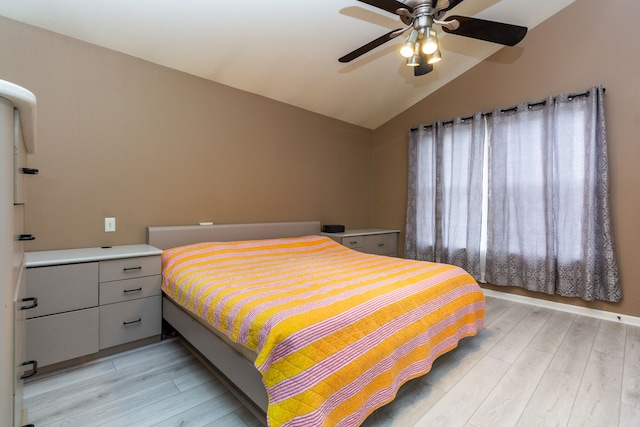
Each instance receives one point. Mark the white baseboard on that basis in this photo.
(582, 311)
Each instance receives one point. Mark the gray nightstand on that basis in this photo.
(91, 299)
(377, 241)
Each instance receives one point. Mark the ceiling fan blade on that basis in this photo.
(389, 5)
(496, 32)
(372, 45)
(424, 67)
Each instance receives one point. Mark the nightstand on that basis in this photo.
(91, 299)
(378, 241)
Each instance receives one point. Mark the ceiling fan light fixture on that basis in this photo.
(413, 61)
(407, 49)
(434, 57)
(421, 48)
(430, 43)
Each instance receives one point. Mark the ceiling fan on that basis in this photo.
(421, 46)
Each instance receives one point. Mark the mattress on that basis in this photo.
(335, 332)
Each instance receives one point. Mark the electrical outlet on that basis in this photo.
(109, 225)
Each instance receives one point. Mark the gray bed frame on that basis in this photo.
(237, 369)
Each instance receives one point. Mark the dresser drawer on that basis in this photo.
(130, 289)
(129, 268)
(130, 321)
(60, 337)
(354, 242)
(381, 244)
(62, 288)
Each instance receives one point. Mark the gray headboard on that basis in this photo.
(172, 236)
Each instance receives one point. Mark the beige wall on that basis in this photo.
(152, 146)
(584, 45)
(124, 138)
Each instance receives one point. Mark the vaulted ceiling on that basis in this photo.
(286, 50)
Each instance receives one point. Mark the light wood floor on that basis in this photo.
(530, 366)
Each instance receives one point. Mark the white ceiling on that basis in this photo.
(285, 50)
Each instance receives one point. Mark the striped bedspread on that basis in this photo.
(336, 332)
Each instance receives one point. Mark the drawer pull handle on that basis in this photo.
(34, 303)
(26, 237)
(32, 372)
(29, 171)
(130, 269)
(128, 291)
(380, 244)
(353, 243)
(132, 322)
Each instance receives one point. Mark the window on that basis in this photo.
(517, 197)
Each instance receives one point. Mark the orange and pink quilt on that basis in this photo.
(336, 332)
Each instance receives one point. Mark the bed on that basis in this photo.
(312, 332)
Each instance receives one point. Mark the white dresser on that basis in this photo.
(91, 299)
(17, 139)
(379, 241)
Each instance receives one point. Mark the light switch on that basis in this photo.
(109, 224)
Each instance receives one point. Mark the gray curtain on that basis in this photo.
(545, 223)
(520, 225)
(420, 230)
(443, 215)
(548, 212)
(459, 192)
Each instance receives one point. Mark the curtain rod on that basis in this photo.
(570, 97)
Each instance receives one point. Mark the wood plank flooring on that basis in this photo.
(530, 366)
